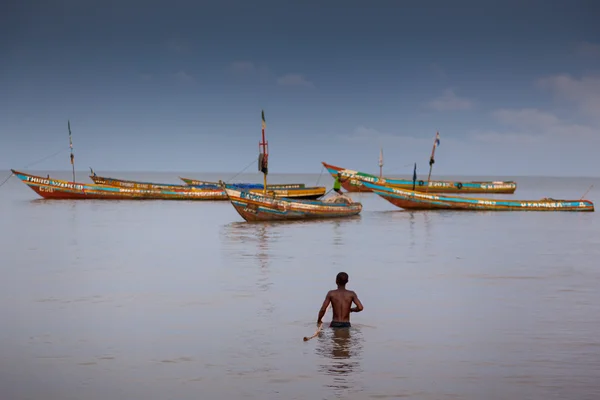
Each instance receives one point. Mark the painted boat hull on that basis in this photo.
(356, 181)
(296, 193)
(60, 189)
(412, 200)
(195, 182)
(255, 207)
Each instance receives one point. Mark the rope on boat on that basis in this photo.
(45, 158)
(319, 179)
(6, 180)
(34, 163)
(248, 166)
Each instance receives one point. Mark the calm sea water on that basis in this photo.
(183, 300)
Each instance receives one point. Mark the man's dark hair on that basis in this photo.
(341, 278)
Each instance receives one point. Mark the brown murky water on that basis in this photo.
(183, 300)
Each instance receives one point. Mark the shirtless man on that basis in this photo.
(341, 302)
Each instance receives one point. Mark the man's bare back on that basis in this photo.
(341, 301)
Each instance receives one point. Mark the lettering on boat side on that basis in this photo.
(498, 186)
(51, 182)
(487, 202)
(369, 179)
(46, 189)
(439, 184)
(542, 204)
(421, 195)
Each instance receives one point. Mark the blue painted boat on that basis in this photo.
(413, 200)
(253, 206)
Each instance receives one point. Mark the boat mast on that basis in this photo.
(263, 156)
(436, 143)
(380, 162)
(71, 147)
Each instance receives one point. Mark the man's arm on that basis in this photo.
(324, 307)
(359, 307)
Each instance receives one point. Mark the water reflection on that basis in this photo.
(340, 351)
(250, 245)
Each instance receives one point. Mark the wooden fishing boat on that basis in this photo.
(296, 193)
(50, 188)
(259, 207)
(355, 182)
(413, 200)
(195, 182)
(255, 206)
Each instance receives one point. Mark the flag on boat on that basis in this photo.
(70, 139)
(71, 143)
(436, 143)
(263, 119)
(415, 173)
(381, 157)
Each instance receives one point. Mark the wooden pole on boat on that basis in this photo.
(436, 143)
(71, 147)
(265, 155)
(414, 177)
(380, 162)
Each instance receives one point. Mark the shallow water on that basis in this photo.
(184, 300)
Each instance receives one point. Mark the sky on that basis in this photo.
(512, 87)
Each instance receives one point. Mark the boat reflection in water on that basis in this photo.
(340, 350)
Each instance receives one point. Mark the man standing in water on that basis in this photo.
(341, 301)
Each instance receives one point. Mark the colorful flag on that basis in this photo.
(70, 140)
(436, 143)
(263, 119)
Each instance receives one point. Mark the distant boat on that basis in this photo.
(198, 183)
(50, 188)
(356, 183)
(256, 206)
(413, 200)
(297, 193)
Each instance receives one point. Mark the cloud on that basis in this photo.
(531, 125)
(450, 102)
(364, 134)
(183, 76)
(242, 67)
(584, 92)
(294, 80)
(587, 49)
(437, 70)
(248, 69)
(178, 45)
(505, 137)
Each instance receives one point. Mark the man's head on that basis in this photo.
(341, 279)
(339, 174)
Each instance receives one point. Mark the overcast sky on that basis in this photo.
(513, 87)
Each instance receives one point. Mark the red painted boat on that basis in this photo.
(50, 188)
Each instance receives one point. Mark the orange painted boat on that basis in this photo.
(354, 181)
(50, 188)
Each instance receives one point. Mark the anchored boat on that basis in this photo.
(354, 181)
(256, 206)
(50, 188)
(279, 191)
(197, 183)
(413, 200)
